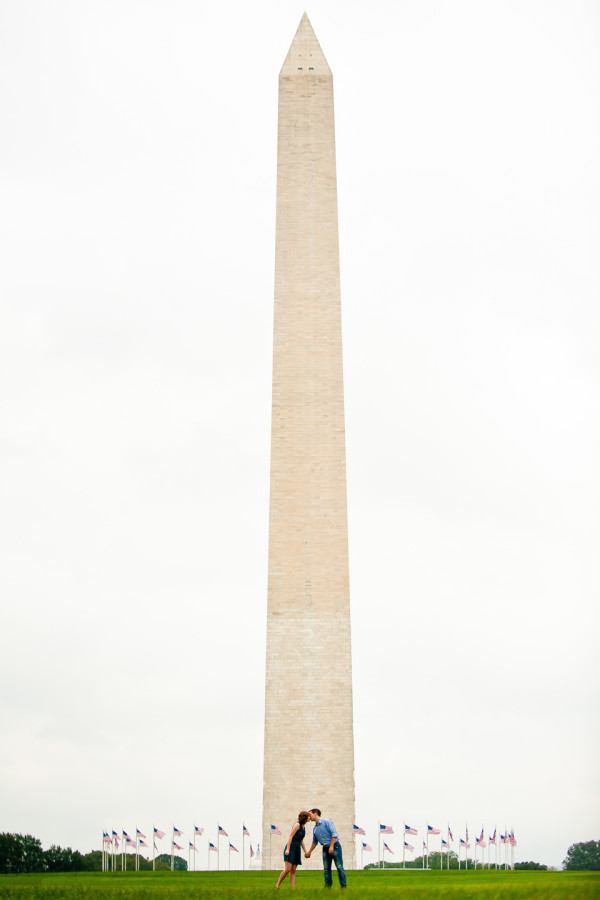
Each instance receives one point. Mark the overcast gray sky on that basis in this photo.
(137, 222)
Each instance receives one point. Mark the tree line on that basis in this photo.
(21, 853)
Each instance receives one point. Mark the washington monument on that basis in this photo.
(309, 742)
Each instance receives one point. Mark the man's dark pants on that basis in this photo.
(336, 856)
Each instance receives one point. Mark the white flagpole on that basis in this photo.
(243, 849)
(404, 847)
(228, 855)
(379, 845)
(427, 846)
(153, 850)
(172, 848)
(270, 866)
(441, 851)
(362, 850)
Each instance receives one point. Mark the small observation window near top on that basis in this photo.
(311, 68)
(299, 68)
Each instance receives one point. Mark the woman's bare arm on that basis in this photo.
(292, 833)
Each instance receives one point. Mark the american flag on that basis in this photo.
(231, 847)
(450, 835)
(367, 847)
(177, 847)
(107, 838)
(212, 847)
(463, 841)
(481, 836)
(125, 835)
(424, 846)
(275, 829)
(198, 830)
(445, 843)
(512, 839)
(115, 833)
(116, 842)
(356, 829)
(251, 851)
(409, 846)
(432, 830)
(177, 831)
(143, 844)
(245, 831)
(466, 833)
(386, 829)
(503, 839)
(389, 850)
(222, 832)
(129, 840)
(192, 847)
(409, 830)
(158, 834)
(139, 833)
(155, 847)
(493, 837)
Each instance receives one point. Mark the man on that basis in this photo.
(324, 833)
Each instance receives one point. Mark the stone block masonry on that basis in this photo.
(309, 741)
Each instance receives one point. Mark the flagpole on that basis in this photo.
(404, 848)
(172, 848)
(153, 850)
(428, 845)
(379, 845)
(243, 849)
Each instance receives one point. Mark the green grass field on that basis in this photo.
(370, 885)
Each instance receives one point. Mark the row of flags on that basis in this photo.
(114, 842)
(508, 839)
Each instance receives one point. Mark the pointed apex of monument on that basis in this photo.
(305, 56)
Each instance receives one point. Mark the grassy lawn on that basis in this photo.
(370, 885)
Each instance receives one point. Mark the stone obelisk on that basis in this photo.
(309, 742)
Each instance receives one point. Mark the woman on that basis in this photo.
(292, 856)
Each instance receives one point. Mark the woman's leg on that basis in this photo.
(284, 872)
(293, 877)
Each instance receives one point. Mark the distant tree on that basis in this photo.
(531, 865)
(179, 864)
(583, 857)
(63, 859)
(92, 861)
(20, 853)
